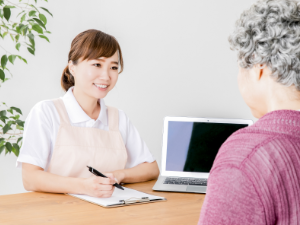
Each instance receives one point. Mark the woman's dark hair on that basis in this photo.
(90, 44)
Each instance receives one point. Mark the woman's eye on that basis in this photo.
(115, 68)
(97, 64)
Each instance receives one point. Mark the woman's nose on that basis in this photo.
(104, 74)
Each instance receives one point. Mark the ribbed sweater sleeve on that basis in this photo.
(231, 199)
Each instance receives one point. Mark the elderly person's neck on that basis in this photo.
(264, 94)
(279, 97)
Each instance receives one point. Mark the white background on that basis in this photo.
(177, 63)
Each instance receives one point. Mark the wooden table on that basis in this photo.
(45, 208)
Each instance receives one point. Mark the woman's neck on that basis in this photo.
(282, 97)
(88, 104)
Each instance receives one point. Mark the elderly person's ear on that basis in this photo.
(261, 71)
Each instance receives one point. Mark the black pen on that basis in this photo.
(97, 173)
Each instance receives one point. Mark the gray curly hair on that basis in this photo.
(269, 33)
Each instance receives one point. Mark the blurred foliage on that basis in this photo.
(29, 23)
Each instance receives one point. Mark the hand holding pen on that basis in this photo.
(97, 173)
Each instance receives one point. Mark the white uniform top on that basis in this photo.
(42, 123)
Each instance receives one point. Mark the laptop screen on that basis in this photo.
(193, 146)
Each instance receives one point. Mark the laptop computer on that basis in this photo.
(189, 148)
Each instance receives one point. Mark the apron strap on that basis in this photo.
(113, 118)
(62, 112)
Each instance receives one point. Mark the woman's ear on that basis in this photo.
(259, 71)
(71, 67)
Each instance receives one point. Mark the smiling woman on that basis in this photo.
(91, 45)
(62, 136)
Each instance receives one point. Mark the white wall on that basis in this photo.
(177, 62)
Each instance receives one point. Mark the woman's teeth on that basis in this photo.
(101, 85)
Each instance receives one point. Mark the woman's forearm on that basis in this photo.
(36, 179)
(139, 173)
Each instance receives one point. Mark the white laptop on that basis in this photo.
(189, 148)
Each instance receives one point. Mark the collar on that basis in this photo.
(279, 121)
(76, 113)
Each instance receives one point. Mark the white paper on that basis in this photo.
(117, 195)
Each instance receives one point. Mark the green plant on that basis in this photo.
(32, 23)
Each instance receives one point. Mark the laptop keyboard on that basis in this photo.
(186, 181)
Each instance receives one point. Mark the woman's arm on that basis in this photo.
(36, 179)
(142, 172)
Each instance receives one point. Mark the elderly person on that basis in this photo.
(255, 178)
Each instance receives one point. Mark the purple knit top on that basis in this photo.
(255, 178)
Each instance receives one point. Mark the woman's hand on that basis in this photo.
(99, 186)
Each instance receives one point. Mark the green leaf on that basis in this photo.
(12, 58)
(10, 110)
(18, 46)
(16, 152)
(19, 139)
(31, 50)
(25, 30)
(3, 119)
(19, 127)
(6, 128)
(7, 13)
(16, 109)
(16, 146)
(34, 7)
(48, 32)
(30, 35)
(10, 122)
(2, 148)
(1, 141)
(2, 113)
(20, 13)
(4, 34)
(43, 18)
(32, 13)
(2, 75)
(37, 28)
(39, 22)
(17, 37)
(9, 6)
(1, 2)
(32, 43)
(20, 123)
(46, 10)
(22, 59)
(8, 146)
(1, 13)
(12, 37)
(3, 61)
(42, 36)
(23, 18)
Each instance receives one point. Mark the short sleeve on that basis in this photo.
(36, 144)
(231, 199)
(137, 149)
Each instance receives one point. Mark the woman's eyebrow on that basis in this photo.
(114, 62)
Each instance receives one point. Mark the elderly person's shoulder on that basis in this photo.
(273, 136)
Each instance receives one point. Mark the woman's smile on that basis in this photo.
(101, 87)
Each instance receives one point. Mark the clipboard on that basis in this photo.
(120, 198)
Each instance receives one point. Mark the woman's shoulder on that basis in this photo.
(240, 145)
(44, 108)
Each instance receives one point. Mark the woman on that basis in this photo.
(63, 136)
(255, 178)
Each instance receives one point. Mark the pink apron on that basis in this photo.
(78, 147)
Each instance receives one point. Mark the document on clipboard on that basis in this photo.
(119, 197)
